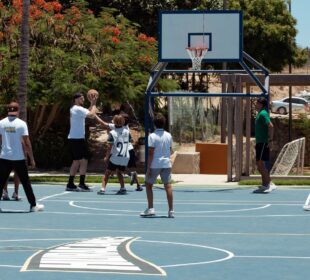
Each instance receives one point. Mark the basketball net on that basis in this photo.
(196, 55)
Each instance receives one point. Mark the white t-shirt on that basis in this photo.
(112, 126)
(161, 141)
(120, 138)
(12, 129)
(77, 122)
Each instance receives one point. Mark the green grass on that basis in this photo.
(64, 179)
(282, 182)
(89, 179)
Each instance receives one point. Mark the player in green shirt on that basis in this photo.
(264, 138)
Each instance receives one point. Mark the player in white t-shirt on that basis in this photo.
(117, 155)
(159, 163)
(77, 141)
(16, 147)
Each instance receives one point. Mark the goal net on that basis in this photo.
(291, 158)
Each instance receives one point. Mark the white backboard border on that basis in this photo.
(223, 31)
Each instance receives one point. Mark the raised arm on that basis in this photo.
(104, 124)
(92, 109)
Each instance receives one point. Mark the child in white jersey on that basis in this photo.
(132, 156)
(117, 155)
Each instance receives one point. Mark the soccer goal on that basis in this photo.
(291, 156)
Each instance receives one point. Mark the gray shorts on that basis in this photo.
(165, 175)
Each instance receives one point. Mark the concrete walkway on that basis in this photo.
(179, 179)
(201, 179)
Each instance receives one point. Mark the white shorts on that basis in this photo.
(165, 175)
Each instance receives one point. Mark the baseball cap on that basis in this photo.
(13, 109)
(77, 95)
(263, 101)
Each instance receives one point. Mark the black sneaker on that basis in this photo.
(15, 196)
(139, 188)
(5, 196)
(72, 188)
(84, 188)
(101, 192)
(122, 191)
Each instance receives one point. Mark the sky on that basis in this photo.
(301, 12)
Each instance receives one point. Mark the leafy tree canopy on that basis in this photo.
(269, 33)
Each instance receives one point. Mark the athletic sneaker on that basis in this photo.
(139, 188)
(263, 189)
(273, 186)
(132, 177)
(170, 214)
(72, 188)
(84, 188)
(15, 196)
(5, 196)
(306, 207)
(101, 192)
(148, 212)
(37, 208)
(122, 191)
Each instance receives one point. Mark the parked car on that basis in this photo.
(305, 94)
(299, 105)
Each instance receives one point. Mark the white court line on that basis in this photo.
(147, 231)
(72, 203)
(162, 213)
(54, 195)
(178, 202)
(11, 266)
(273, 257)
(111, 199)
(229, 254)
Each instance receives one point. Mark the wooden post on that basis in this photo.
(230, 115)
(223, 114)
(238, 131)
(247, 132)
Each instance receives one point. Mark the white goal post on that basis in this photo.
(291, 155)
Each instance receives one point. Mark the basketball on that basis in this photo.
(92, 93)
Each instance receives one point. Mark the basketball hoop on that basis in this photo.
(196, 55)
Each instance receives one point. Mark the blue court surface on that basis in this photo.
(217, 233)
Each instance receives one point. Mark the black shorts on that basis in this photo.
(113, 167)
(79, 149)
(132, 159)
(262, 151)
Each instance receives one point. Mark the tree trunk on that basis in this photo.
(24, 58)
(51, 117)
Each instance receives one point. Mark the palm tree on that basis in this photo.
(24, 59)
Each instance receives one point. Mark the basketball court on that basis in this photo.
(218, 233)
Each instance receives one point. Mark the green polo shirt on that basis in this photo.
(261, 126)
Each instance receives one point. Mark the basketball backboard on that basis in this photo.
(219, 31)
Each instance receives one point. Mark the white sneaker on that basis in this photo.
(267, 189)
(148, 212)
(170, 214)
(306, 207)
(273, 186)
(37, 208)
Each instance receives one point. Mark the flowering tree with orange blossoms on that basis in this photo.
(72, 50)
